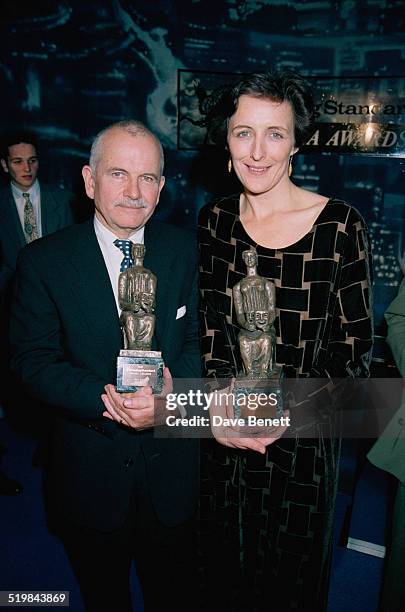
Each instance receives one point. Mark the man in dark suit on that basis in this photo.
(115, 490)
(28, 211)
(22, 219)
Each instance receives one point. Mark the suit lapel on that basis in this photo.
(11, 221)
(93, 291)
(49, 212)
(158, 258)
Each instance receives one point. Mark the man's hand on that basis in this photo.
(139, 410)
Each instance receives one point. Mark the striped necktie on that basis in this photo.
(125, 246)
(30, 222)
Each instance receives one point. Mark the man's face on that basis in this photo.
(126, 183)
(262, 318)
(147, 302)
(250, 259)
(136, 302)
(138, 251)
(251, 317)
(22, 165)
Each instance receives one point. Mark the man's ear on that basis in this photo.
(87, 175)
(4, 164)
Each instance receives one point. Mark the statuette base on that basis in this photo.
(267, 393)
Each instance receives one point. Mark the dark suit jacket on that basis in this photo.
(56, 213)
(65, 337)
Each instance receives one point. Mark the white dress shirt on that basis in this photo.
(112, 254)
(35, 198)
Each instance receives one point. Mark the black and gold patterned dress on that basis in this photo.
(267, 519)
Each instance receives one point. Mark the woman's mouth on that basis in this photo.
(257, 170)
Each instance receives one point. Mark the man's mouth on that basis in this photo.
(132, 205)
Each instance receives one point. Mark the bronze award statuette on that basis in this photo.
(254, 301)
(137, 365)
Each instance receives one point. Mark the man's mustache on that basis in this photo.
(130, 203)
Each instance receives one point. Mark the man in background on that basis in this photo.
(28, 210)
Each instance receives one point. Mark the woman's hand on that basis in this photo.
(233, 432)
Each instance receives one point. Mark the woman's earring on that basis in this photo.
(230, 165)
(290, 168)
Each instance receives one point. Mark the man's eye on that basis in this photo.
(117, 174)
(276, 135)
(148, 179)
(243, 134)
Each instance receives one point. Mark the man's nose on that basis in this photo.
(132, 189)
(27, 166)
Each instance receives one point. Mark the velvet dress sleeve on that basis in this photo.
(348, 337)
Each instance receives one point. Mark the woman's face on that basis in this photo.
(261, 140)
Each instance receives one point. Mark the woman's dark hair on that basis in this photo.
(277, 86)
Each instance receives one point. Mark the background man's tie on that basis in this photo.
(125, 246)
(30, 223)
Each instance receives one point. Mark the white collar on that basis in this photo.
(33, 190)
(107, 237)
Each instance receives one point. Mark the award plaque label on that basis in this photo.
(260, 398)
(137, 369)
(137, 365)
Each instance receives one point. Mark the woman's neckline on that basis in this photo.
(288, 246)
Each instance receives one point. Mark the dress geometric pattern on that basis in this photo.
(267, 519)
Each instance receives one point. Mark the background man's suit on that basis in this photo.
(388, 453)
(65, 346)
(56, 213)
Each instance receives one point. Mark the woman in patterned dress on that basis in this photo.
(267, 502)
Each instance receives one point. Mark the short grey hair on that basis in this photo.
(131, 126)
